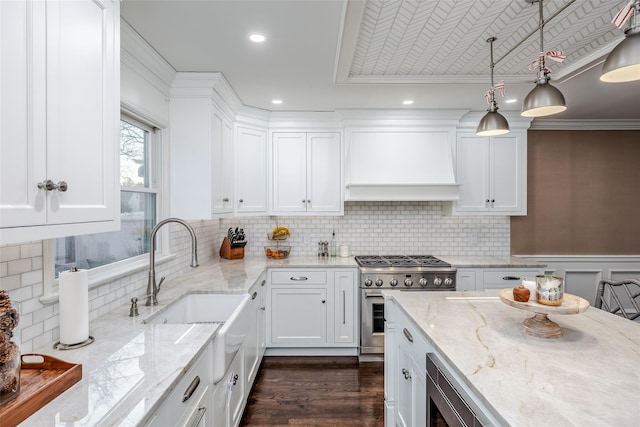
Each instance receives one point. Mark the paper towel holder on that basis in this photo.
(59, 346)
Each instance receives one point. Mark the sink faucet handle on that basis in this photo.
(160, 282)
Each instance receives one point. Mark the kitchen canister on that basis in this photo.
(549, 289)
(345, 251)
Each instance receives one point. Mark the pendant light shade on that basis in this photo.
(493, 123)
(623, 63)
(544, 99)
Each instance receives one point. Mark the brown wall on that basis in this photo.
(583, 194)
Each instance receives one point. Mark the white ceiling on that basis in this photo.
(322, 55)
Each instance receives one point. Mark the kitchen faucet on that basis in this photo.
(152, 287)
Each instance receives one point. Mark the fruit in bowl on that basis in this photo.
(277, 252)
(280, 233)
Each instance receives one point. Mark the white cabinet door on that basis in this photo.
(82, 110)
(289, 172)
(324, 172)
(23, 146)
(254, 341)
(506, 173)
(307, 172)
(404, 388)
(251, 170)
(466, 279)
(472, 165)
(221, 163)
(344, 307)
(62, 120)
(298, 316)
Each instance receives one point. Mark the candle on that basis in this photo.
(531, 285)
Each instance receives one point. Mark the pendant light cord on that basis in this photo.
(542, 75)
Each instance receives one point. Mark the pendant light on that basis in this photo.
(623, 63)
(544, 99)
(493, 123)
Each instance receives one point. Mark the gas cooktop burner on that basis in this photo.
(402, 261)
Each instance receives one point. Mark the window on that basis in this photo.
(138, 207)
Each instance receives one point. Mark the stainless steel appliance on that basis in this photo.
(406, 272)
(446, 405)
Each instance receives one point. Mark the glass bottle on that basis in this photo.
(333, 248)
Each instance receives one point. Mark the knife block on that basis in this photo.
(227, 252)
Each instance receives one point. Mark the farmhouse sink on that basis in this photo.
(231, 310)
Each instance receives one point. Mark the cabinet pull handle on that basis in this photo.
(344, 307)
(510, 278)
(262, 308)
(298, 278)
(263, 283)
(254, 295)
(191, 389)
(226, 199)
(49, 185)
(202, 410)
(407, 334)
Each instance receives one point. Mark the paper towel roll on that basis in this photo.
(74, 307)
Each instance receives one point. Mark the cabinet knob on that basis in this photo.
(323, 301)
(493, 200)
(226, 199)
(406, 374)
(308, 201)
(304, 201)
(49, 185)
(241, 200)
(486, 201)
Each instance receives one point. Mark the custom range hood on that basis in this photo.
(400, 155)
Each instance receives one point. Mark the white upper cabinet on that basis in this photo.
(59, 95)
(201, 146)
(307, 172)
(251, 170)
(492, 171)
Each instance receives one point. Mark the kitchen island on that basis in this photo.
(587, 377)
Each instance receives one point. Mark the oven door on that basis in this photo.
(445, 406)
(372, 321)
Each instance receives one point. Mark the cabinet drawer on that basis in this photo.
(298, 277)
(410, 338)
(508, 277)
(186, 395)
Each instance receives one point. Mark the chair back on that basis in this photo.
(619, 297)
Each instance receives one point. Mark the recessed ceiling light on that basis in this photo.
(407, 102)
(257, 38)
(510, 100)
(276, 101)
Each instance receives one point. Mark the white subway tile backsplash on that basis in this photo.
(367, 227)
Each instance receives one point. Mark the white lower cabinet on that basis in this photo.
(190, 401)
(228, 396)
(405, 370)
(312, 308)
(480, 279)
(254, 345)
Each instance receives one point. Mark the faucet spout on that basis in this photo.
(153, 288)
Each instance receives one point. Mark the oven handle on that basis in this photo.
(373, 294)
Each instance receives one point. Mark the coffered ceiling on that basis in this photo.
(322, 55)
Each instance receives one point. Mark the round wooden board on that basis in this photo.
(571, 304)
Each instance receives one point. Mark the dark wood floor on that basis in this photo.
(316, 391)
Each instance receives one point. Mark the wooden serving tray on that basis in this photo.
(40, 383)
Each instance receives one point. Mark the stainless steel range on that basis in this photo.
(405, 272)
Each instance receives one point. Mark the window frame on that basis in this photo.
(158, 175)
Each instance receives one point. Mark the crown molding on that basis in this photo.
(140, 57)
(584, 124)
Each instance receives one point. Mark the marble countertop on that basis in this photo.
(490, 262)
(131, 367)
(587, 377)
